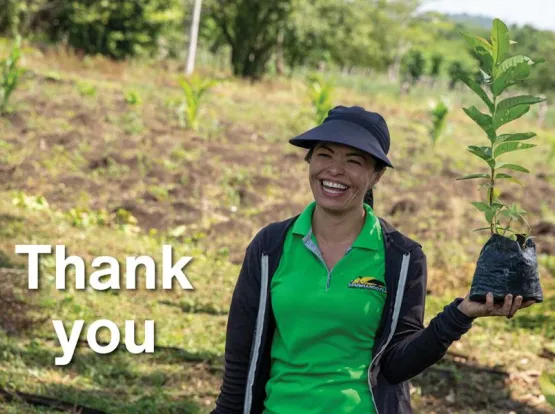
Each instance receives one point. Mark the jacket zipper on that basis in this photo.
(396, 310)
(255, 350)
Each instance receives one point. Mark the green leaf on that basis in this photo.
(507, 108)
(502, 118)
(515, 167)
(484, 153)
(490, 214)
(475, 86)
(473, 176)
(499, 40)
(518, 100)
(512, 62)
(515, 137)
(483, 50)
(481, 206)
(502, 176)
(547, 386)
(510, 72)
(510, 147)
(483, 120)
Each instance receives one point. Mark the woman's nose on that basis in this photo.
(336, 167)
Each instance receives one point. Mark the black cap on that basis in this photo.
(353, 126)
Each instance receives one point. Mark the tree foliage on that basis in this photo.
(114, 28)
(251, 28)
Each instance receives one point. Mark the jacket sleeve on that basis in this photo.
(414, 348)
(240, 331)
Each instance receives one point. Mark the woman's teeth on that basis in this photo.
(334, 188)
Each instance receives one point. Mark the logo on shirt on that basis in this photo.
(366, 282)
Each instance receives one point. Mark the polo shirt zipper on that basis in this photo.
(307, 241)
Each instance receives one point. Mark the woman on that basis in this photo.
(327, 314)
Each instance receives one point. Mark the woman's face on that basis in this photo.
(340, 176)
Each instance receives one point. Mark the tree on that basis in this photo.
(251, 28)
(414, 65)
(349, 33)
(436, 62)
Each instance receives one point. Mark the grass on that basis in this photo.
(104, 175)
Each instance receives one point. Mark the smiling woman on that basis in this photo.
(327, 313)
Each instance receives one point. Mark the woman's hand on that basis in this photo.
(478, 309)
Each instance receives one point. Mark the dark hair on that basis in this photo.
(369, 196)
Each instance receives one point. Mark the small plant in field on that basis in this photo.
(194, 88)
(10, 75)
(547, 385)
(132, 97)
(320, 96)
(551, 154)
(84, 218)
(86, 89)
(500, 72)
(20, 199)
(438, 112)
(233, 181)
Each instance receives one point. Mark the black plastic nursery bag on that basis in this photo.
(504, 267)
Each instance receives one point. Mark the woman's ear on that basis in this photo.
(378, 177)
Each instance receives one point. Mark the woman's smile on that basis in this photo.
(333, 188)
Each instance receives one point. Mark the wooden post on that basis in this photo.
(193, 38)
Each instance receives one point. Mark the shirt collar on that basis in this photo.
(303, 224)
(369, 237)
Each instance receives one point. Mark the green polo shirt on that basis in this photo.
(326, 321)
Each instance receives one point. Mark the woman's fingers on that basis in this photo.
(515, 306)
(489, 303)
(506, 308)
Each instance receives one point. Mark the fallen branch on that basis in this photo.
(40, 401)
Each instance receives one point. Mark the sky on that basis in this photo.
(539, 13)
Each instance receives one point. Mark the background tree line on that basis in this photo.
(278, 35)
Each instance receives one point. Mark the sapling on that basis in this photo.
(194, 89)
(320, 94)
(438, 112)
(9, 74)
(501, 72)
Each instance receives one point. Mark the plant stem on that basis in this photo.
(492, 184)
(492, 181)
(508, 225)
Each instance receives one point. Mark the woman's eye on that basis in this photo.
(324, 155)
(355, 162)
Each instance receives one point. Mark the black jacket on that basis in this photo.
(403, 347)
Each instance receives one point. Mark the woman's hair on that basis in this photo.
(369, 196)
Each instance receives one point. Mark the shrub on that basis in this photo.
(414, 66)
(436, 62)
(455, 70)
(115, 28)
(10, 75)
